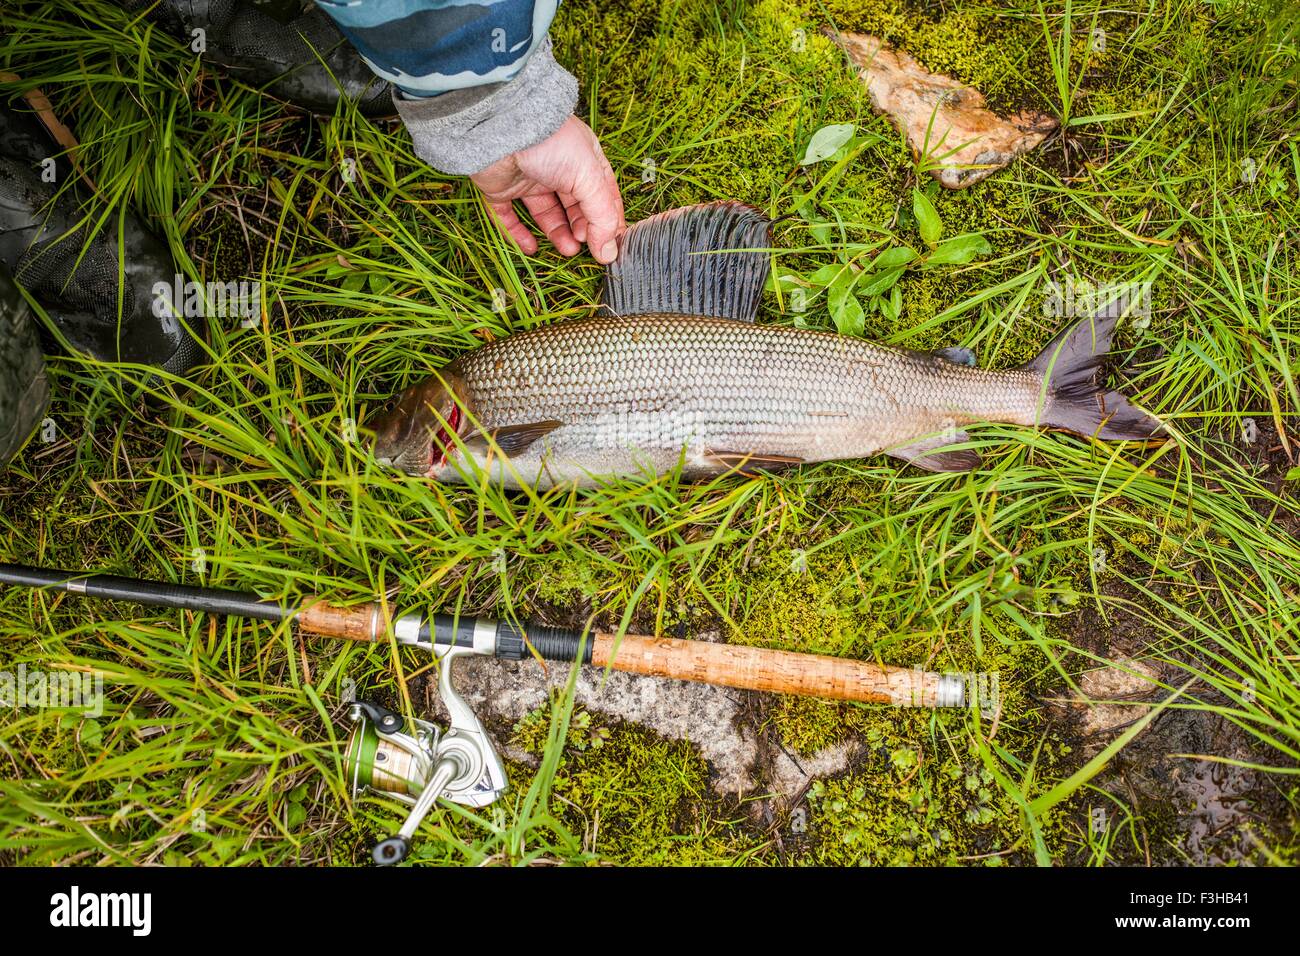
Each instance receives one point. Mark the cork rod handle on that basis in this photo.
(782, 672)
(360, 622)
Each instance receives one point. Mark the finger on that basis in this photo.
(577, 221)
(602, 205)
(508, 222)
(548, 212)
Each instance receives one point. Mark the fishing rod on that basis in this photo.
(415, 761)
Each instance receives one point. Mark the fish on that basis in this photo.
(674, 371)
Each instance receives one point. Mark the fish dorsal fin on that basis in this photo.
(672, 263)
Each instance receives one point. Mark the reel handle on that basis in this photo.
(390, 851)
(395, 848)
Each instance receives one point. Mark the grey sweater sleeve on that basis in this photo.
(464, 131)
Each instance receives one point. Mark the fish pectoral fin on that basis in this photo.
(928, 453)
(511, 439)
(748, 462)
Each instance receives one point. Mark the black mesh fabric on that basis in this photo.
(51, 272)
(285, 57)
(24, 392)
(74, 276)
(254, 34)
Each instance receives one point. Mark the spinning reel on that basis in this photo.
(417, 763)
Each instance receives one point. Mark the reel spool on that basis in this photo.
(416, 763)
(391, 762)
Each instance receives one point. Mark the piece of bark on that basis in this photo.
(946, 122)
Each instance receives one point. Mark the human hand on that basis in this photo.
(567, 184)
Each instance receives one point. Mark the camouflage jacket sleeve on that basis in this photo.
(474, 80)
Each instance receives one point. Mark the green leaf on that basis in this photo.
(828, 274)
(826, 142)
(844, 306)
(880, 282)
(1293, 474)
(784, 281)
(893, 258)
(927, 220)
(886, 307)
(959, 250)
(805, 211)
(842, 285)
(850, 319)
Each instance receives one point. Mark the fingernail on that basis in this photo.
(608, 252)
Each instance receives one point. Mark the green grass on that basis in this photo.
(371, 284)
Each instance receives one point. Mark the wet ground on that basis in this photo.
(1186, 810)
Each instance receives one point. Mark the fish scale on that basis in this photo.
(641, 391)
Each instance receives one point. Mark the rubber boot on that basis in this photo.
(45, 247)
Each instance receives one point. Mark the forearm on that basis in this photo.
(474, 83)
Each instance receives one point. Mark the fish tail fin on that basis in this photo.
(696, 260)
(1075, 399)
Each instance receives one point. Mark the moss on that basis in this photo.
(557, 580)
(804, 603)
(908, 808)
(635, 797)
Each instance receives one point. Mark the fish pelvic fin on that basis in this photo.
(696, 260)
(929, 453)
(1074, 398)
(749, 463)
(956, 355)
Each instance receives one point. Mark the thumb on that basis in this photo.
(602, 206)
